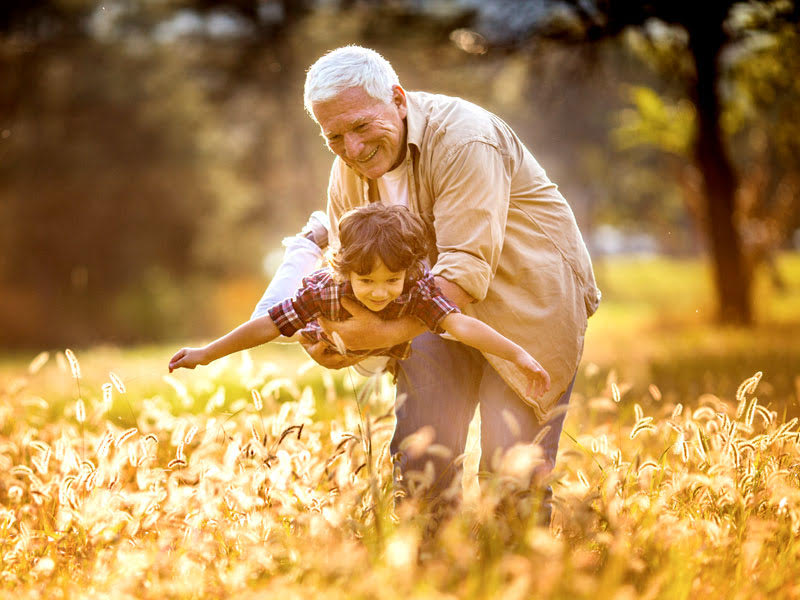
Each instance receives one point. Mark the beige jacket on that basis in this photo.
(503, 233)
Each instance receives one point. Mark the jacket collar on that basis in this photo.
(415, 121)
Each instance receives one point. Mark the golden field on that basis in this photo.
(262, 474)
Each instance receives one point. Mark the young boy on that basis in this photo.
(380, 263)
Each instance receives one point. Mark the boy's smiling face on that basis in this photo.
(379, 287)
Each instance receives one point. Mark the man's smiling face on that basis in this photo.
(368, 135)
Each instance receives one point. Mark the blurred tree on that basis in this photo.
(144, 143)
(119, 183)
(103, 178)
(704, 35)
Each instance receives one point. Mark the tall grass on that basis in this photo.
(263, 475)
(656, 326)
(214, 494)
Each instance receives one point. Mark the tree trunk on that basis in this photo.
(731, 275)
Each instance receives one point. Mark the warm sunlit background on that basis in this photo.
(153, 154)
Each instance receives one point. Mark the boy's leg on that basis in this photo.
(302, 257)
(437, 388)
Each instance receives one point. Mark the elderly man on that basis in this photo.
(508, 252)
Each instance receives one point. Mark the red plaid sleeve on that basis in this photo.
(429, 304)
(293, 314)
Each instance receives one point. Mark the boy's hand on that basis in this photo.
(538, 378)
(188, 358)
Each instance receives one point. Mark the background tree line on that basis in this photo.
(150, 150)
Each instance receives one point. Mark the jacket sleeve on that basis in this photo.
(471, 189)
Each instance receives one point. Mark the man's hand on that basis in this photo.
(326, 357)
(366, 330)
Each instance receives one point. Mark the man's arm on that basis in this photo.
(454, 292)
(366, 330)
(472, 188)
(322, 354)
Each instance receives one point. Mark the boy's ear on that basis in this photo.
(329, 257)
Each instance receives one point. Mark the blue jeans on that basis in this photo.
(443, 381)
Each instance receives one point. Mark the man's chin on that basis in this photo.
(368, 172)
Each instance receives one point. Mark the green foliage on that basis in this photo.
(654, 122)
(138, 171)
(105, 177)
(765, 97)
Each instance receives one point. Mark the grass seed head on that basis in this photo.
(615, 392)
(107, 397)
(105, 444)
(74, 365)
(80, 411)
(655, 392)
(125, 436)
(190, 435)
(117, 382)
(257, 402)
(748, 386)
(38, 362)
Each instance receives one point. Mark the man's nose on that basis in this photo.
(353, 145)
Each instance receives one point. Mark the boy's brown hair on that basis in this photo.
(392, 233)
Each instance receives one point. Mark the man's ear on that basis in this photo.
(399, 100)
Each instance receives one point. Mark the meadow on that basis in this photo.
(678, 475)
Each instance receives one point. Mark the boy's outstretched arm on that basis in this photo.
(248, 335)
(475, 333)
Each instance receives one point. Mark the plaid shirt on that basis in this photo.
(320, 296)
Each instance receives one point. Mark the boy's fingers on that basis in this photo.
(539, 382)
(534, 386)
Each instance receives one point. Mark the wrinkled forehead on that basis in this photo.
(346, 109)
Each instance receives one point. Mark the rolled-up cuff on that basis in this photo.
(470, 273)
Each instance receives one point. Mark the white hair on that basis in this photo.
(347, 67)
